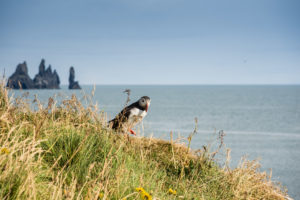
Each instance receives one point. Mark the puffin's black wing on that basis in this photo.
(122, 116)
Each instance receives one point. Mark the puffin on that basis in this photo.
(131, 116)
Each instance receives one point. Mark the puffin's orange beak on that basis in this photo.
(147, 107)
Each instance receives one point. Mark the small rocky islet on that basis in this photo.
(45, 79)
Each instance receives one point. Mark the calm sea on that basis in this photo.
(259, 121)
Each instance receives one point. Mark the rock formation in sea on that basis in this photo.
(20, 78)
(45, 79)
(72, 83)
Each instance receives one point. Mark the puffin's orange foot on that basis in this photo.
(132, 132)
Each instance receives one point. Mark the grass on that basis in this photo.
(67, 152)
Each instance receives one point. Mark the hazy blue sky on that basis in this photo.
(155, 41)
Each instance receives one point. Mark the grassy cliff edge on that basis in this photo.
(66, 152)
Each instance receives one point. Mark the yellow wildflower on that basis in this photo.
(101, 195)
(5, 150)
(144, 195)
(172, 191)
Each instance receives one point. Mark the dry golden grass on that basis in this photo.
(67, 152)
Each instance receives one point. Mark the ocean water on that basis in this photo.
(260, 122)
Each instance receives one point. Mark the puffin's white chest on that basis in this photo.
(136, 115)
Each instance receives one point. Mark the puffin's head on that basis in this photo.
(144, 102)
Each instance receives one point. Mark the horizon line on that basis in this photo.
(196, 84)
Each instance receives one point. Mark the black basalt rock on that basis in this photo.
(46, 79)
(72, 83)
(20, 78)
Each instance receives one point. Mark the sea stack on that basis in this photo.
(46, 79)
(20, 78)
(72, 83)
